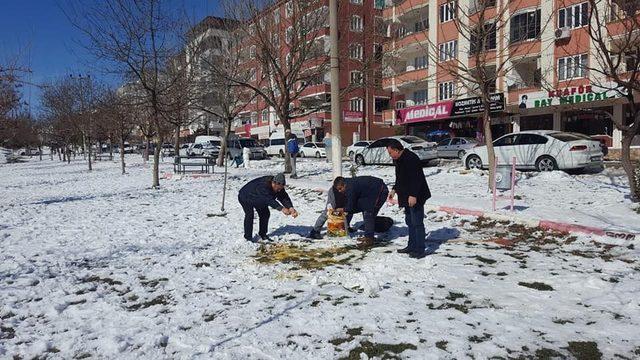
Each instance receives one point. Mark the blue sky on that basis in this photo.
(39, 34)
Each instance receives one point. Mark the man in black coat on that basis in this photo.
(413, 191)
(259, 194)
(365, 194)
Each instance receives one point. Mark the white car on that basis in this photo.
(357, 148)
(184, 149)
(313, 149)
(376, 152)
(542, 150)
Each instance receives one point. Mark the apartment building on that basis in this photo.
(545, 84)
(362, 33)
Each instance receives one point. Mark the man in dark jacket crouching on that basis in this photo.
(365, 194)
(259, 194)
(413, 191)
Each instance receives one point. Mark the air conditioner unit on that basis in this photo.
(563, 33)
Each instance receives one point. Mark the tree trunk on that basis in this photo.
(110, 147)
(89, 154)
(176, 143)
(156, 163)
(628, 166)
(227, 130)
(287, 156)
(488, 140)
(145, 152)
(122, 163)
(69, 155)
(40, 151)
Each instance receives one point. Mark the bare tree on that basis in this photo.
(218, 75)
(138, 38)
(61, 108)
(283, 52)
(615, 31)
(117, 107)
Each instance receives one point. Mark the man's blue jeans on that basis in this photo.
(414, 217)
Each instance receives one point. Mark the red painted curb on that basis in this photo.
(460, 211)
(550, 225)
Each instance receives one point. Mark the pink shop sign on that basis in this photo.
(428, 112)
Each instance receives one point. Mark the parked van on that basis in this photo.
(257, 152)
(277, 142)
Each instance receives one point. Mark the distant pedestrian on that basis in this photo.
(293, 149)
(327, 146)
(260, 194)
(413, 191)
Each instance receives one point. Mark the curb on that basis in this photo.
(543, 224)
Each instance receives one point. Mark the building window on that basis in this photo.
(446, 90)
(448, 50)
(288, 9)
(355, 51)
(356, 23)
(289, 35)
(356, 2)
(631, 60)
(254, 118)
(447, 11)
(276, 39)
(265, 116)
(420, 97)
(252, 52)
(356, 77)
(381, 28)
(525, 26)
(355, 104)
(377, 51)
(379, 4)
(421, 25)
(420, 62)
(276, 16)
(482, 40)
(572, 67)
(574, 16)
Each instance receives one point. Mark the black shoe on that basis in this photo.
(351, 230)
(265, 238)
(417, 255)
(314, 235)
(405, 250)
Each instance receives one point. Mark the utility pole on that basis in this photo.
(336, 141)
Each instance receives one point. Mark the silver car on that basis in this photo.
(257, 152)
(376, 152)
(455, 147)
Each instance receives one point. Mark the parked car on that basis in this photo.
(313, 149)
(28, 152)
(257, 152)
(542, 150)
(598, 138)
(455, 147)
(376, 152)
(184, 149)
(168, 150)
(204, 149)
(357, 148)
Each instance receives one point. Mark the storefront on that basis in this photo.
(461, 118)
(584, 109)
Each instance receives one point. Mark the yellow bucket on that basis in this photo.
(335, 223)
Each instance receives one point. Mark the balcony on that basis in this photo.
(403, 7)
(406, 80)
(412, 41)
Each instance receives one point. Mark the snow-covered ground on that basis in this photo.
(99, 264)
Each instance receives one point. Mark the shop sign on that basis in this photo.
(352, 116)
(428, 112)
(571, 95)
(474, 105)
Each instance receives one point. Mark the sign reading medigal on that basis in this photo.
(571, 95)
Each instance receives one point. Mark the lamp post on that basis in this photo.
(336, 141)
